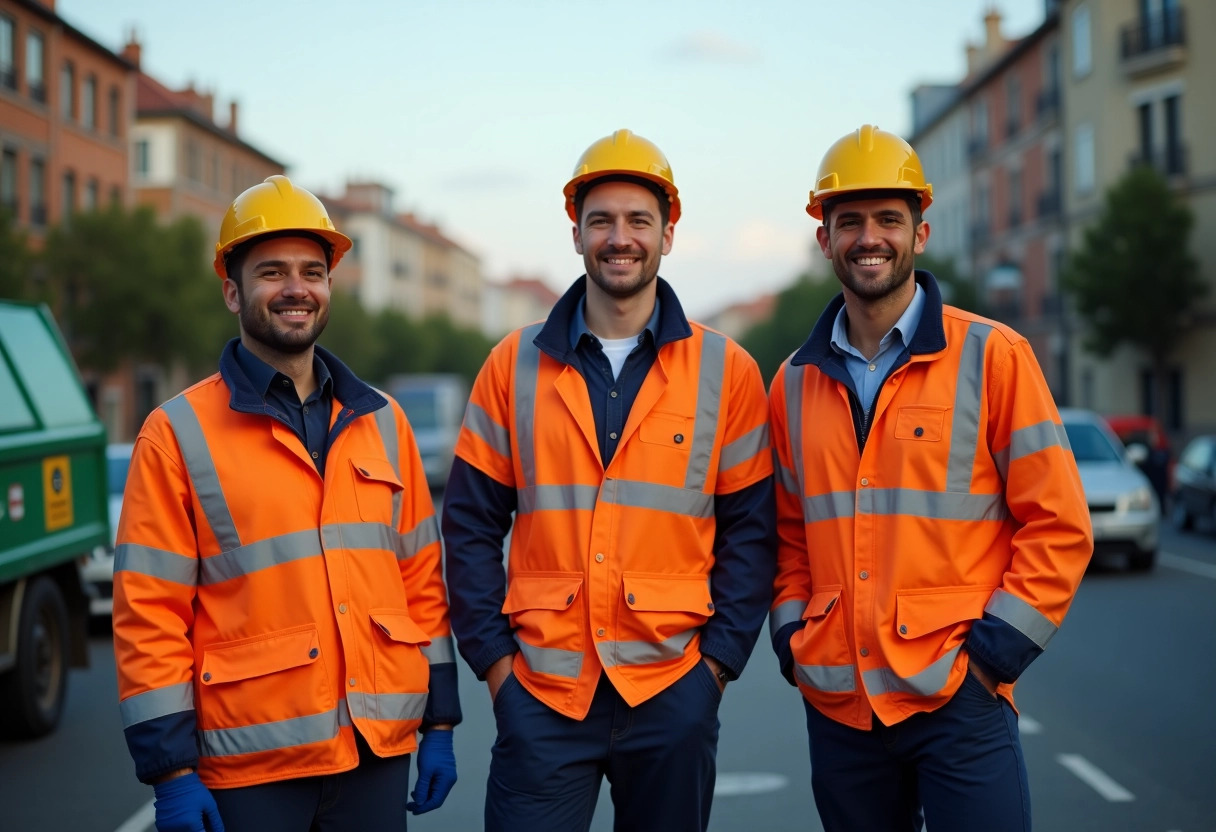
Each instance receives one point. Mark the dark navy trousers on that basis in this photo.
(546, 768)
(369, 798)
(961, 764)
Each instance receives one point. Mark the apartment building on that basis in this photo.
(1137, 78)
(66, 105)
(509, 304)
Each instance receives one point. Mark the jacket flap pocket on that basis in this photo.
(398, 626)
(822, 602)
(376, 469)
(248, 658)
(920, 423)
(668, 593)
(919, 613)
(670, 429)
(542, 591)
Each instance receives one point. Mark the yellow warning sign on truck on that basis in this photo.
(57, 491)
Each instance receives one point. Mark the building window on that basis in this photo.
(35, 80)
(37, 192)
(88, 103)
(1175, 159)
(8, 66)
(92, 189)
(1015, 197)
(141, 158)
(194, 163)
(8, 183)
(1013, 103)
(115, 112)
(1084, 139)
(1082, 54)
(215, 171)
(979, 128)
(69, 194)
(67, 91)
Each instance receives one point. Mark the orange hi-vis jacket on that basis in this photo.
(262, 613)
(950, 525)
(609, 569)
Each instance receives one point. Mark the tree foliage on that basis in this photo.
(15, 260)
(794, 315)
(957, 290)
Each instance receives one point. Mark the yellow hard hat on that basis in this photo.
(867, 160)
(272, 206)
(623, 153)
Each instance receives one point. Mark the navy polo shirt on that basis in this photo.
(309, 418)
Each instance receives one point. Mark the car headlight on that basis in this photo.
(1139, 500)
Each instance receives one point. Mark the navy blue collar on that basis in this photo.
(247, 397)
(930, 335)
(262, 375)
(578, 327)
(555, 336)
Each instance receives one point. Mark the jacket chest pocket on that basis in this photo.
(377, 489)
(668, 430)
(657, 607)
(923, 423)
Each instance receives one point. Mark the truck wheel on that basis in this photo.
(32, 693)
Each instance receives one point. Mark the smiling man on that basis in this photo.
(631, 446)
(932, 530)
(280, 620)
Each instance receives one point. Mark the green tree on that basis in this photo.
(1134, 278)
(794, 315)
(957, 290)
(15, 260)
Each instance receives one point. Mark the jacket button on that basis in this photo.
(313, 653)
(864, 575)
(600, 632)
(710, 606)
(316, 455)
(342, 608)
(903, 629)
(599, 557)
(864, 652)
(570, 600)
(865, 481)
(629, 598)
(352, 681)
(679, 437)
(612, 435)
(919, 431)
(206, 677)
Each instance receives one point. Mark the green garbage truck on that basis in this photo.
(52, 516)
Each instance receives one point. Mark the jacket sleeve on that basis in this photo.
(792, 587)
(478, 508)
(740, 580)
(155, 582)
(422, 576)
(1053, 539)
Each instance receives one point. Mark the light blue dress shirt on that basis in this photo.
(868, 375)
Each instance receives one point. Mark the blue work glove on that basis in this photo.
(436, 772)
(183, 804)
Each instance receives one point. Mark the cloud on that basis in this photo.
(712, 47)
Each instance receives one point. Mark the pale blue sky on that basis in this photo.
(475, 112)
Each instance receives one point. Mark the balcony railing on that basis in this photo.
(1170, 161)
(8, 77)
(37, 91)
(1047, 102)
(1153, 33)
(1049, 203)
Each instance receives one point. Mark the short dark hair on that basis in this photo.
(234, 261)
(910, 197)
(580, 195)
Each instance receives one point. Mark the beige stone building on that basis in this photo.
(1137, 79)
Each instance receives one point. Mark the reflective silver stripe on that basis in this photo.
(481, 424)
(418, 538)
(156, 703)
(557, 498)
(262, 554)
(785, 477)
(439, 651)
(793, 420)
(362, 536)
(386, 421)
(831, 506)
(743, 448)
(395, 706)
(618, 653)
(302, 730)
(1020, 615)
(156, 563)
(929, 681)
(828, 678)
(965, 430)
(201, 467)
(659, 497)
(551, 660)
(783, 614)
(527, 375)
(709, 405)
(936, 505)
(1029, 440)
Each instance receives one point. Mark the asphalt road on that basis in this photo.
(1117, 721)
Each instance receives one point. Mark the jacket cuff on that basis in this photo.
(730, 660)
(443, 703)
(491, 653)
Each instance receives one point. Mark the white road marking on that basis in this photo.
(1026, 725)
(749, 782)
(1195, 567)
(1095, 778)
(141, 820)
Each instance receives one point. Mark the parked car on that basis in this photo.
(1122, 504)
(98, 570)
(1194, 495)
(434, 404)
(1156, 458)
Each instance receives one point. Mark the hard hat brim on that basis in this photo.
(339, 245)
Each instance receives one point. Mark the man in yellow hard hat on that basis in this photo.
(931, 523)
(631, 445)
(280, 621)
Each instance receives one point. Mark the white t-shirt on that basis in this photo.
(617, 350)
